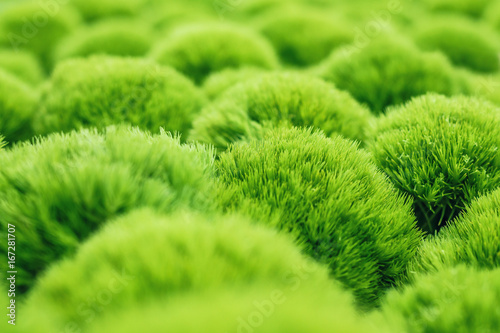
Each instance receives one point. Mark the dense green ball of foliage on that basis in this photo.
(464, 43)
(259, 310)
(60, 189)
(22, 64)
(331, 198)
(36, 27)
(219, 82)
(388, 72)
(314, 35)
(93, 10)
(472, 239)
(458, 300)
(146, 257)
(473, 8)
(101, 91)
(199, 50)
(280, 99)
(17, 105)
(441, 151)
(121, 38)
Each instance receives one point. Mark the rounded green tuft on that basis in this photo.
(200, 50)
(103, 90)
(331, 198)
(441, 151)
(279, 99)
(120, 38)
(60, 189)
(465, 43)
(17, 107)
(472, 239)
(146, 257)
(458, 300)
(218, 82)
(388, 72)
(23, 65)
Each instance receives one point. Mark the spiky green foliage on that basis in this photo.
(63, 187)
(472, 239)
(441, 151)
(36, 27)
(473, 8)
(221, 81)
(256, 310)
(331, 198)
(93, 10)
(465, 43)
(280, 99)
(121, 38)
(102, 90)
(146, 257)
(22, 64)
(389, 72)
(17, 105)
(315, 35)
(199, 50)
(458, 300)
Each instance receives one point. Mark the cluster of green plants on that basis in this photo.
(250, 166)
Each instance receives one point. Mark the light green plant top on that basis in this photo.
(200, 50)
(104, 90)
(60, 189)
(145, 257)
(279, 99)
(331, 198)
(441, 151)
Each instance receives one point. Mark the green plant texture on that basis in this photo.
(195, 50)
(441, 151)
(104, 90)
(60, 189)
(286, 99)
(331, 198)
(198, 253)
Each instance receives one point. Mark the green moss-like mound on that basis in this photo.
(120, 38)
(22, 64)
(472, 239)
(389, 72)
(259, 310)
(459, 300)
(285, 99)
(36, 27)
(93, 10)
(474, 8)
(464, 43)
(219, 82)
(315, 35)
(442, 151)
(17, 105)
(62, 188)
(328, 195)
(101, 91)
(199, 50)
(145, 257)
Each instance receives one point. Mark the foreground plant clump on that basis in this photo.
(472, 239)
(101, 91)
(60, 189)
(460, 299)
(198, 253)
(331, 198)
(273, 100)
(442, 151)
